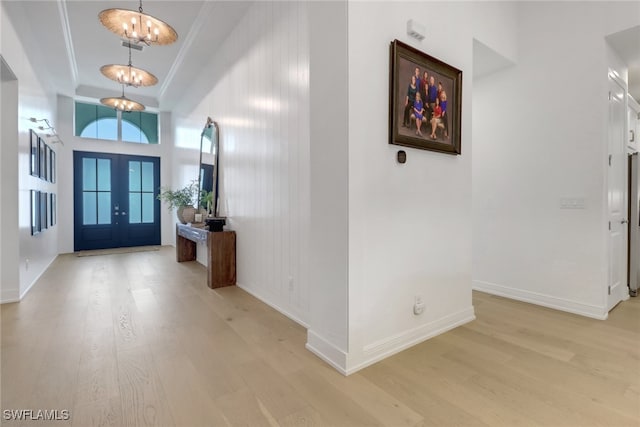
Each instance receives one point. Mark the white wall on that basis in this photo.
(409, 225)
(256, 88)
(540, 135)
(328, 333)
(30, 254)
(65, 168)
(9, 271)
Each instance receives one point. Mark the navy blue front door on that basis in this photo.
(115, 200)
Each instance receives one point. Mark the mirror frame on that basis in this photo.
(215, 145)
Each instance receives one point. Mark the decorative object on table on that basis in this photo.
(206, 201)
(425, 101)
(137, 26)
(216, 224)
(184, 200)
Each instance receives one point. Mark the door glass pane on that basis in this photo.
(88, 174)
(147, 207)
(147, 176)
(134, 176)
(104, 208)
(104, 174)
(134, 208)
(89, 214)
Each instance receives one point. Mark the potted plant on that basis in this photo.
(206, 200)
(183, 200)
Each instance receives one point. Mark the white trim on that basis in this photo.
(46, 267)
(389, 346)
(271, 304)
(66, 30)
(327, 352)
(203, 16)
(22, 295)
(9, 296)
(549, 301)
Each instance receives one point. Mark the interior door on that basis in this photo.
(617, 195)
(115, 200)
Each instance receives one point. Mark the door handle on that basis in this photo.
(633, 136)
(124, 213)
(116, 213)
(624, 221)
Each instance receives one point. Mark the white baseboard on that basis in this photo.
(549, 301)
(327, 352)
(273, 305)
(9, 296)
(19, 296)
(389, 346)
(46, 267)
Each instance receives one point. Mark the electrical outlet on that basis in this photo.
(418, 305)
(26, 264)
(290, 284)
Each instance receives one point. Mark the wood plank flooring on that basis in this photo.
(139, 340)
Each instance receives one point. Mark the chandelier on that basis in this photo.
(137, 26)
(129, 75)
(122, 103)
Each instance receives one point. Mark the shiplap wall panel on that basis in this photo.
(261, 102)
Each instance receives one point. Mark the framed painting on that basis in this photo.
(34, 160)
(425, 101)
(35, 212)
(52, 209)
(47, 155)
(42, 159)
(52, 166)
(44, 217)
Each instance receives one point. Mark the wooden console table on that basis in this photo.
(221, 248)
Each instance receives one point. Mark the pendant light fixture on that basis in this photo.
(137, 26)
(122, 103)
(128, 74)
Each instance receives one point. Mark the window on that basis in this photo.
(100, 122)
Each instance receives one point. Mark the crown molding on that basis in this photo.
(203, 16)
(66, 30)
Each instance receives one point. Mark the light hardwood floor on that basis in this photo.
(139, 340)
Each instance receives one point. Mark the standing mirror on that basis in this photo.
(208, 167)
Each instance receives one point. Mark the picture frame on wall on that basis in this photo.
(42, 159)
(425, 101)
(47, 154)
(34, 160)
(35, 212)
(44, 218)
(52, 209)
(53, 167)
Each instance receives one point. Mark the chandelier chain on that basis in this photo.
(140, 8)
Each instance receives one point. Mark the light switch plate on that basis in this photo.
(572, 203)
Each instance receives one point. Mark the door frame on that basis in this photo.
(123, 234)
(613, 296)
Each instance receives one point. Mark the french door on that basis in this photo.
(115, 200)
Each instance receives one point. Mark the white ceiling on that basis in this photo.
(66, 38)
